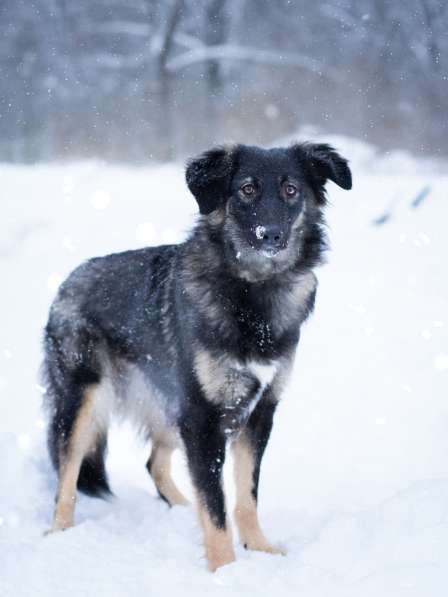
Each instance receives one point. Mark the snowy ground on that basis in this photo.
(355, 480)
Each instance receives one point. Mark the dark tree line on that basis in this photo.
(131, 80)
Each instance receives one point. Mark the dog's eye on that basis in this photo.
(290, 190)
(248, 189)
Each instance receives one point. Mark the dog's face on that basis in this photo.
(261, 199)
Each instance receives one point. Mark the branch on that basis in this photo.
(343, 16)
(172, 22)
(227, 52)
(119, 28)
(188, 41)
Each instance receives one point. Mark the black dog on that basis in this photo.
(194, 341)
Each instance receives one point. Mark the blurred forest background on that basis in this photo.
(134, 80)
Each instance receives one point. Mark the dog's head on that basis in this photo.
(266, 201)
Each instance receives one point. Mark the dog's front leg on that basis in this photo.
(205, 446)
(248, 449)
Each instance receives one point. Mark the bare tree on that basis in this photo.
(169, 26)
(127, 80)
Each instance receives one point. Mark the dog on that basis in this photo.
(194, 341)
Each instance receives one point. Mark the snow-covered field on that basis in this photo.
(355, 479)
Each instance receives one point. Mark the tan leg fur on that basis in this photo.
(246, 517)
(159, 467)
(80, 442)
(218, 542)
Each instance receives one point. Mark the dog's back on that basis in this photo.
(110, 318)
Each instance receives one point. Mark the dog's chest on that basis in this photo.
(235, 387)
(255, 330)
(242, 394)
(263, 322)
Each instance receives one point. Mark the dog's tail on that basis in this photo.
(64, 393)
(92, 478)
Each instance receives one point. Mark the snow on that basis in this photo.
(260, 232)
(355, 480)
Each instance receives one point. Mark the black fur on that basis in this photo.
(209, 176)
(227, 301)
(92, 478)
(259, 428)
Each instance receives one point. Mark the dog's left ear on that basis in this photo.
(209, 175)
(324, 163)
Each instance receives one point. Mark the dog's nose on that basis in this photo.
(272, 237)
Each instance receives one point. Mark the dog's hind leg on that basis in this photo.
(248, 449)
(82, 439)
(78, 410)
(159, 467)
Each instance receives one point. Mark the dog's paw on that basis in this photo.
(217, 560)
(265, 547)
(57, 527)
(179, 501)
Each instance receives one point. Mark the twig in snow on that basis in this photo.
(421, 196)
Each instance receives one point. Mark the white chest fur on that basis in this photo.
(239, 399)
(264, 372)
(226, 380)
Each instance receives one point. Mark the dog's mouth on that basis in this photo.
(253, 252)
(254, 260)
(258, 263)
(256, 251)
(269, 253)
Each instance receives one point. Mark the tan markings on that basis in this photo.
(299, 220)
(306, 284)
(159, 467)
(218, 542)
(282, 377)
(287, 304)
(217, 217)
(81, 440)
(221, 378)
(246, 517)
(211, 373)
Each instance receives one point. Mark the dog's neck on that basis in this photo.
(222, 293)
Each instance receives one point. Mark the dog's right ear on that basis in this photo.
(209, 175)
